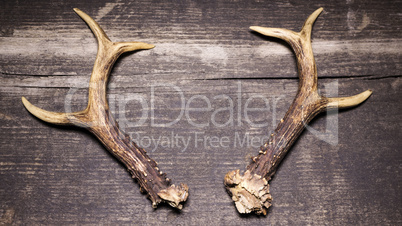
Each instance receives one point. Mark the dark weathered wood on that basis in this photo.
(56, 175)
(358, 38)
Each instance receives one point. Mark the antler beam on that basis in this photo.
(98, 120)
(250, 192)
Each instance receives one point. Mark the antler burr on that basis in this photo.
(250, 191)
(98, 120)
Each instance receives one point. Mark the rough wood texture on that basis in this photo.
(56, 175)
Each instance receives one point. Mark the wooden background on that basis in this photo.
(204, 49)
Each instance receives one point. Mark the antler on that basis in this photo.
(98, 120)
(250, 192)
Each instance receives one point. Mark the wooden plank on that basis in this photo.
(205, 54)
(62, 176)
(349, 40)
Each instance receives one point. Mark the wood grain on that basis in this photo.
(55, 175)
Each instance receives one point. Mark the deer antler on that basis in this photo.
(250, 192)
(98, 120)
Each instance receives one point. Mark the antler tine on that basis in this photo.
(301, 44)
(98, 120)
(108, 52)
(346, 102)
(250, 191)
(308, 24)
(289, 35)
(101, 71)
(94, 26)
(105, 40)
(53, 117)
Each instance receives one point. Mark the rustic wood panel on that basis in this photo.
(57, 175)
(352, 39)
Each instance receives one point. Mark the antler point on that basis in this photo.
(351, 101)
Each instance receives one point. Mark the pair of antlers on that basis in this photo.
(249, 191)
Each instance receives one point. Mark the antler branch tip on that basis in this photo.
(281, 33)
(47, 116)
(351, 101)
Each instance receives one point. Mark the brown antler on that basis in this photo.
(98, 119)
(250, 192)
